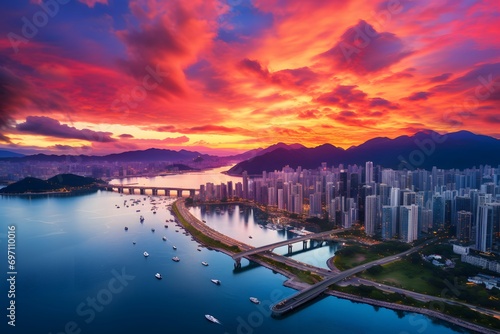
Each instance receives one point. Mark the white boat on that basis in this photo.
(254, 300)
(157, 275)
(204, 263)
(146, 254)
(174, 247)
(164, 238)
(176, 259)
(212, 318)
(215, 281)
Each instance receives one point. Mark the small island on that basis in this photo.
(61, 183)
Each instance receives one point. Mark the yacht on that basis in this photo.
(215, 281)
(157, 275)
(212, 318)
(146, 254)
(254, 300)
(204, 263)
(176, 259)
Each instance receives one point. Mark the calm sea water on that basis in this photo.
(78, 271)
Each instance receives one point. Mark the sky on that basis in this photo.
(226, 76)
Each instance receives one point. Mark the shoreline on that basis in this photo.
(292, 282)
(60, 193)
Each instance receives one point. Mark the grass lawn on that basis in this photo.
(407, 275)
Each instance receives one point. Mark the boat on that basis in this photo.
(141, 219)
(146, 254)
(204, 263)
(166, 226)
(126, 228)
(152, 230)
(215, 281)
(133, 242)
(137, 210)
(199, 250)
(174, 247)
(158, 275)
(212, 318)
(250, 236)
(164, 238)
(254, 300)
(176, 259)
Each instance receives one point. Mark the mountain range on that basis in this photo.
(423, 150)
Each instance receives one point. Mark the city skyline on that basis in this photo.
(224, 77)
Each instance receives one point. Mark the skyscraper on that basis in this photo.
(368, 172)
(370, 214)
(464, 225)
(408, 219)
(389, 221)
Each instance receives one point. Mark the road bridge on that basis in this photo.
(315, 290)
(155, 191)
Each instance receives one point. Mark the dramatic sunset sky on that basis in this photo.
(101, 76)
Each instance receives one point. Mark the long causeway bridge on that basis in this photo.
(314, 236)
(155, 191)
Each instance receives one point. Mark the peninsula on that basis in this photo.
(61, 183)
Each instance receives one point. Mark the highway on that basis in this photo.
(315, 290)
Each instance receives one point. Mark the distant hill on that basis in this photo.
(9, 154)
(260, 151)
(61, 182)
(423, 150)
(149, 155)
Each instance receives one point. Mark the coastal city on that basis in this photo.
(250, 166)
(450, 218)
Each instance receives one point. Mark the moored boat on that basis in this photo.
(212, 318)
(254, 300)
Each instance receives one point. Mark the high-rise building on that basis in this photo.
(408, 219)
(438, 211)
(245, 184)
(370, 214)
(368, 172)
(389, 221)
(464, 226)
(484, 228)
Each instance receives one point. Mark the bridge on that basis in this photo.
(155, 191)
(315, 236)
(315, 290)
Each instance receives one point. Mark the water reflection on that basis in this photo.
(253, 226)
